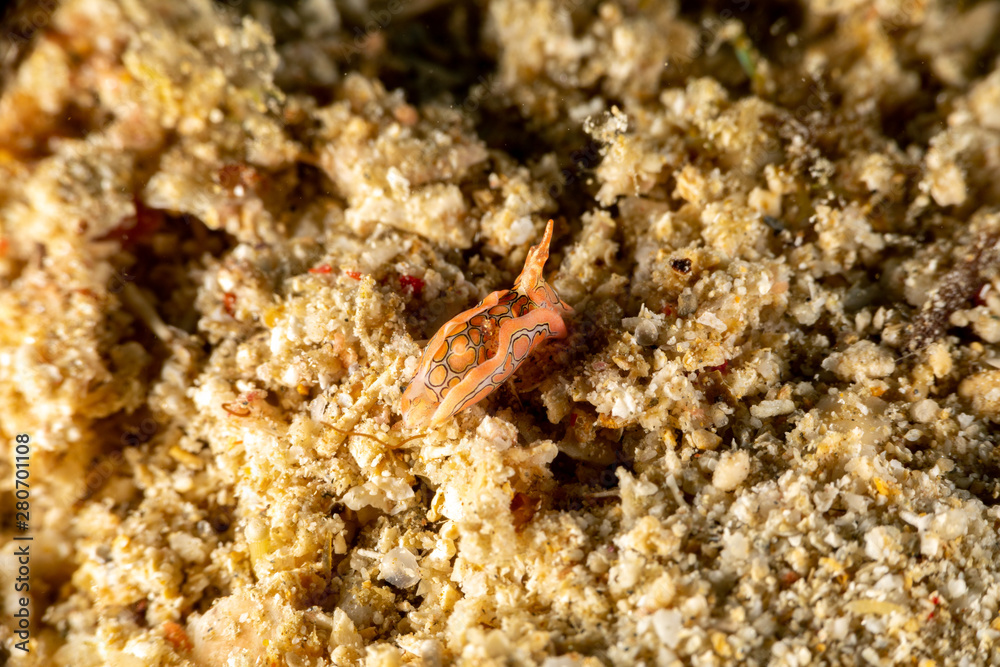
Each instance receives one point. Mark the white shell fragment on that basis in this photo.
(399, 568)
(732, 469)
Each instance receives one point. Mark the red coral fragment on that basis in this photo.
(177, 636)
(980, 298)
(228, 303)
(413, 284)
(322, 268)
(138, 227)
(237, 174)
(789, 577)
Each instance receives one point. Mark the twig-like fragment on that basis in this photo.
(955, 289)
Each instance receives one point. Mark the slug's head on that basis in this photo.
(418, 405)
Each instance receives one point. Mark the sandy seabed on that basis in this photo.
(227, 230)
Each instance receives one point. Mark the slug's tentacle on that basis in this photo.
(531, 274)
